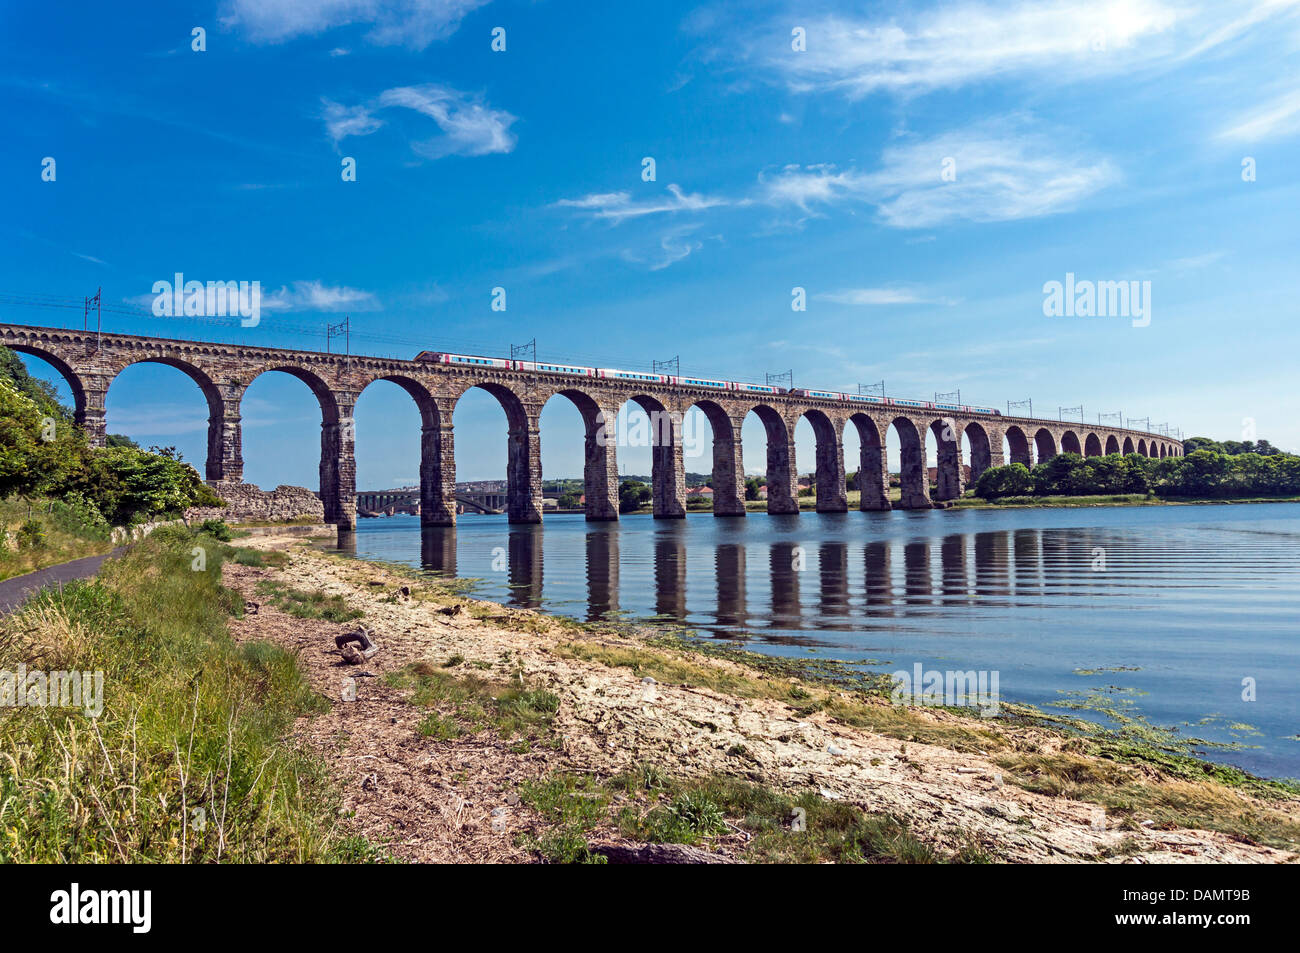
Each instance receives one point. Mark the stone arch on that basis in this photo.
(1070, 443)
(1163, 451)
(523, 453)
(1142, 447)
(330, 407)
(830, 480)
(1128, 445)
(981, 449)
(225, 454)
(728, 473)
(69, 375)
(1018, 445)
(338, 475)
(913, 478)
(599, 454)
(1044, 444)
(1112, 445)
(1092, 445)
(437, 451)
(873, 473)
(780, 460)
(947, 437)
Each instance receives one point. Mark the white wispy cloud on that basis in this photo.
(318, 296)
(619, 206)
(343, 121)
(413, 23)
(874, 296)
(998, 171)
(1196, 262)
(468, 126)
(311, 295)
(161, 420)
(953, 45)
(1277, 118)
(674, 245)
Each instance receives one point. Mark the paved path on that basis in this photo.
(14, 592)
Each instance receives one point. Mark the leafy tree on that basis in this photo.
(1011, 480)
(130, 485)
(39, 392)
(631, 495)
(1052, 477)
(39, 449)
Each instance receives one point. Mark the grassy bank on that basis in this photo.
(44, 533)
(186, 762)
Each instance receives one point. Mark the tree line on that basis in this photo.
(1201, 473)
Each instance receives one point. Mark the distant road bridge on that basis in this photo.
(407, 500)
(90, 361)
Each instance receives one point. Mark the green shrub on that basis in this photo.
(217, 529)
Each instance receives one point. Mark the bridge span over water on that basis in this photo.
(90, 361)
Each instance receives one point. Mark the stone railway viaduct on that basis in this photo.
(90, 361)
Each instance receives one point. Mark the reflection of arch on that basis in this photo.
(1018, 444)
(831, 496)
(947, 437)
(915, 482)
(523, 455)
(1112, 445)
(728, 479)
(780, 461)
(981, 450)
(1092, 445)
(1070, 443)
(873, 475)
(1128, 445)
(1045, 444)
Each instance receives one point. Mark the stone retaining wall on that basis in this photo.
(248, 502)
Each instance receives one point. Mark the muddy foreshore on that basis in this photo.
(430, 770)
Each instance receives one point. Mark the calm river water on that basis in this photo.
(1166, 610)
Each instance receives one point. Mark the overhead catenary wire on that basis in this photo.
(405, 346)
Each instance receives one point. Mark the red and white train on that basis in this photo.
(466, 360)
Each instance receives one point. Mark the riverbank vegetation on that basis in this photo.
(187, 761)
(58, 495)
(37, 534)
(1202, 474)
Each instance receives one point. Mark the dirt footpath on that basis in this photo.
(456, 799)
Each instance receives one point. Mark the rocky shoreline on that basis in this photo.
(429, 769)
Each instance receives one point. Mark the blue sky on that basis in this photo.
(1098, 138)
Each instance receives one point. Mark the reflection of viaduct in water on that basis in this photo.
(90, 362)
(832, 586)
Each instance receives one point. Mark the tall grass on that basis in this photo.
(42, 533)
(187, 761)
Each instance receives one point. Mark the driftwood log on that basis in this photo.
(659, 854)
